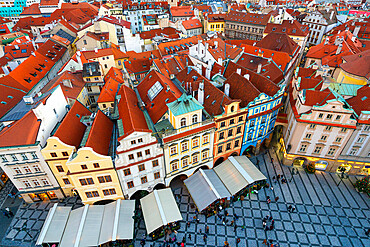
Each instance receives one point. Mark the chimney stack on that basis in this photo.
(227, 89)
(238, 71)
(219, 61)
(208, 70)
(216, 44)
(357, 29)
(338, 49)
(247, 76)
(259, 68)
(331, 15)
(326, 41)
(96, 50)
(201, 93)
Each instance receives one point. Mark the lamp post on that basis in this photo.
(342, 171)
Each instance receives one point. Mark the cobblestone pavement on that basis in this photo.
(27, 222)
(326, 215)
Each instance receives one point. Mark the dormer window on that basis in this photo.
(183, 122)
(195, 119)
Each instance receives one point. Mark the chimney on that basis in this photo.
(254, 44)
(353, 38)
(238, 71)
(326, 41)
(206, 45)
(247, 76)
(219, 61)
(357, 29)
(90, 71)
(208, 70)
(67, 83)
(201, 93)
(28, 100)
(331, 15)
(227, 89)
(338, 49)
(259, 68)
(216, 44)
(96, 50)
(199, 67)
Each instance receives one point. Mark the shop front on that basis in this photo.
(321, 165)
(41, 195)
(3, 178)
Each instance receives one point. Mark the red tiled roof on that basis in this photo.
(249, 18)
(165, 32)
(49, 2)
(216, 17)
(279, 42)
(22, 132)
(192, 24)
(27, 22)
(132, 117)
(317, 98)
(114, 73)
(9, 96)
(182, 11)
(100, 134)
(231, 51)
(357, 64)
(140, 62)
(174, 47)
(33, 9)
(20, 50)
(293, 28)
(361, 102)
(157, 107)
(351, 25)
(71, 130)
(108, 92)
(172, 65)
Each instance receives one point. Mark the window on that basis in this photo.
(367, 128)
(130, 156)
(109, 192)
(239, 130)
(36, 168)
(308, 136)
(236, 144)
(194, 119)
(24, 157)
(144, 180)
(3, 158)
(53, 155)
(219, 150)
(228, 146)
(85, 42)
(173, 150)
(14, 157)
(66, 181)
(147, 152)
(303, 148)
(157, 175)
(17, 170)
(140, 140)
(329, 116)
(34, 156)
(96, 165)
(155, 163)
(338, 139)
(174, 165)
(221, 136)
(328, 128)
(60, 168)
(27, 184)
(141, 167)
(184, 146)
(90, 180)
(317, 150)
(65, 154)
(83, 167)
(185, 162)
(331, 151)
(183, 122)
(205, 139)
(240, 119)
(27, 169)
(36, 182)
(321, 115)
(127, 172)
(222, 124)
(353, 151)
(83, 182)
(323, 138)
(312, 126)
(204, 155)
(337, 118)
(133, 142)
(45, 181)
(343, 130)
(130, 184)
(92, 194)
(195, 142)
(361, 139)
(195, 158)
(232, 121)
(139, 154)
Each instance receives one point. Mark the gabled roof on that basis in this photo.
(109, 91)
(20, 50)
(293, 28)
(140, 62)
(357, 64)
(169, 32)
(100, 134)
(181, 11)
(192, 24)
(131, 116)
(114, 73)
(165, 92)
(317, 98)
(361, 102)
(176, 46)
(49, 2)
(71, 130)
(216, 17)
(248, 18)
(279, 42)
(9, 97)
(184, 104)
(231, 51)
(172, 65)
(33, 9)
(22, 132)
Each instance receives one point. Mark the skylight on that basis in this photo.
(154, 90)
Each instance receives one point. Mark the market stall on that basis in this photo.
(161, 213)
(207, 190)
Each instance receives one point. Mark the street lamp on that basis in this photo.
(342, 171)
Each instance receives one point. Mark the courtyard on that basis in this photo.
(325, 215)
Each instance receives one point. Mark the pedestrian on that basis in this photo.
(236, 217)
(198, 220)
(367, 232)
(264, 220)
(183, 239)
(266, 217)
(237, 241)
(142, 242)
(272, 160)
(232, 223)
(270, 218)
(278, 176)
(258, 161)
(273, 178)
(189, 236)
(226, 244)
(267, 197)
(272, 222)
(182, 244)
(267, 185)
(265, 242)
(227, 213)
(200, 231)
(271, 227)
(235, 227)
(188, 223)
(9, 211)
(264, 224)
(289, 208)
(276, 199)
(268, 201)
(205, 238)
(266, 228)
(5, 213)
(272, 188)
(207, 229)
(293, 209)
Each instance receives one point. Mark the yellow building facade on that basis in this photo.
(344, 77)
(94, 176)
(215, 23)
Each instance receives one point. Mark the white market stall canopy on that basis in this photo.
(159, 209)
(205, 187)
(91, 225)
(237, 172)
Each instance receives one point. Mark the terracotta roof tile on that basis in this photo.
(317, 98)
(100, 134)
(174, 47)
(181, 11)
(132, 117)
(192, 24)
(71, 130)
(109, 90)
(279, 42)
(357, 64)
(9, 96)
(361, 102)
(216, 17)
(249, 18)
(293, 28)
(165, 32)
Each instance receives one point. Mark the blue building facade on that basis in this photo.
(13, 11)
(261, 118)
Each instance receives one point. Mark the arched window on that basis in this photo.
(183, 122)
(195, 119)
(232, 109)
